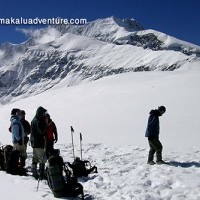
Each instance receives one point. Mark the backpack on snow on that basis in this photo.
(10, 161)
(60, 184)
(4, 156)
(13, 165)
(82, 167)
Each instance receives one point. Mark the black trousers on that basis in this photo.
(155, 147)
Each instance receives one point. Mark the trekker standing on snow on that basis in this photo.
(18, 134)
(38, 133)
(152, 133)
(51, 135)
(27, 127)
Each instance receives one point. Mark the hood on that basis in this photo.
(40, 112)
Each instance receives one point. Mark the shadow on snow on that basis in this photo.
(184, 164)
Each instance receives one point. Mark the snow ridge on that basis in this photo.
(129, 31)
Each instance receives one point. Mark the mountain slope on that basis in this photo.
(103, 47)
(115, 109)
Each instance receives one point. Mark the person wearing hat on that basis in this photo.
(152, 133)
(18, 134)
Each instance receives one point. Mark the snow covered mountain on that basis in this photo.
(88, 52)
(129, 31)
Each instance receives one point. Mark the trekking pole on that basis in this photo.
(81, 145)
(72, 131)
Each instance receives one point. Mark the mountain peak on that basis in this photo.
(106, 29)
(130, 25)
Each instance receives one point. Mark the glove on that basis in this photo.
(20, 142)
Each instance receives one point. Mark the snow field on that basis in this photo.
(123, 174)
(112, 113)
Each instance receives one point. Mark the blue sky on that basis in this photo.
(178, 18)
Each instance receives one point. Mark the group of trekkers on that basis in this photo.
(43, 134)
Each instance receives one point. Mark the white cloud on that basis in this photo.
(41, 36)
(50, 35)
(29, 32)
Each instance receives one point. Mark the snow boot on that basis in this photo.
(160, 162)
(151, 162)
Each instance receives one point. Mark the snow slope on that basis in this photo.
(118, 106)
(112, 114)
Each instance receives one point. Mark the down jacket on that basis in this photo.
(38, 129)
(153, 127)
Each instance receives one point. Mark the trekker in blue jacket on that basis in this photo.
(18, 134)
(152, 133)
